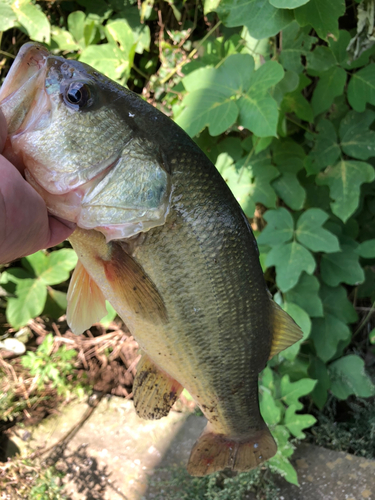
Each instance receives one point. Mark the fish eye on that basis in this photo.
(77, 96)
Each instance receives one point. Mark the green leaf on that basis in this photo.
(371, 336)
(107, 320)
(106, 58)
(287, 4)
(37, 262)
(357, 139)
(260, 115)
(290, 260)
(366, 249)
(325, 150)
(286, 151)
(120, 34)
(259, 16)
(322, 16)
(361, 88)
(7, 17)
(326, 334)
(305, 294)
(292, 391)
(31, 297)
(279, 229)
(310, 232)
(289, 189)
(303, 321)
(320, 59)
(344, 181)
(268, 408)
(349, 377)
(296, 43)
(63, 39)
(76, 24)
(33, 20)
(335, 301)
(66, 258)
(331, 84)
(295, 422)
(295, 102)
(319, 372)
(280, 464)
(341, 267)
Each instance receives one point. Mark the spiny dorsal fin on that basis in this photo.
(129, 281)
(285, 331)
(86, 302)
(154, 391)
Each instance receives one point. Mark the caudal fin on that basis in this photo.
(214, 452)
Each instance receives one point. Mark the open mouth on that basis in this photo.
(30, 59)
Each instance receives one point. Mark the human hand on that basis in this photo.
(25, 225)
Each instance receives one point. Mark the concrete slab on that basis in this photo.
(116, 455)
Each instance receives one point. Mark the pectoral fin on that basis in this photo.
(154, 391)
(285, 331)
(86, 302)
(129, 281)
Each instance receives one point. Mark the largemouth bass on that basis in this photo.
(162, 238)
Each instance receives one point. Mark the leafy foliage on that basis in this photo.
(281, 98)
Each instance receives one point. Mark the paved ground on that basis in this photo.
(115, 455)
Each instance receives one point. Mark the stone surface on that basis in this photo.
(116, 455)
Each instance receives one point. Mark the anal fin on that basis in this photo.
(86, 302)
(285, 331)
(215, 452)
(154, 391)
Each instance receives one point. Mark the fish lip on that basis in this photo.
(31, 59)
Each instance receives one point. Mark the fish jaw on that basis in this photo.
(23, 89)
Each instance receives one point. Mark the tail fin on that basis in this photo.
(214, 452)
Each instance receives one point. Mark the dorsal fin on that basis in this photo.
(86, 302)
(285, 331)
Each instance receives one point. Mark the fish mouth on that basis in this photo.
(23, 89)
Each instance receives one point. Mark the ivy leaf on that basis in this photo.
(287, 4)
(344, 181)
(331, 84)
(325, 150)
(310, 232)
(288, 187)
(280, 464)
(7, 17)
(319, 372)
(29, 303)
(326, 333)
(295, 102)
(279, 227)
(295, 422)
(341, 267)
(366, 249)
(303, 321)
(290, 260)
(361, 88)
(336, 302)
(292, 391)
(322, 16)
(296, 43)
(349, 377)
(357, 139)
(305, 294)
(76, 24)
(320, 59)
(259, 16)
(63, 39)
(106, 58)
(33, 20)
(120, 33)
(268, 408)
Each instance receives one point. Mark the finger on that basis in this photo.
(3, 130)
(10, 155)
(59, 231)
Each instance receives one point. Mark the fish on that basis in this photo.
(162, 238)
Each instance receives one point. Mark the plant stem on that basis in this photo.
(192, 54)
